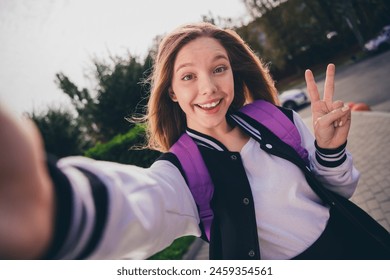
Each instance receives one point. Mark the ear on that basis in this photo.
(172, 95)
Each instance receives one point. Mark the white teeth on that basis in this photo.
(209, 105)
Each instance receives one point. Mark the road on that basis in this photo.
(366, 81)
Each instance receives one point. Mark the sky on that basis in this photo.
(41, 38)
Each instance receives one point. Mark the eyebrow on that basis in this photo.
(217, 57)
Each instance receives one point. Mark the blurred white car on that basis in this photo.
(380, 42)
(293, 98)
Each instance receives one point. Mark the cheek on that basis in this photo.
(184, 101)
(228, 80)
(229, 88)
(182, 96)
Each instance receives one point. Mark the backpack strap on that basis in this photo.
(278, 123)
(198, 178)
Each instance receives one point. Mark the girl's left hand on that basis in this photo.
(331, 119)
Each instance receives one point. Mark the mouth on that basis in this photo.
(210, 105)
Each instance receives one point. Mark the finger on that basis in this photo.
(311, 86)
(335, 117)
(336, 105)
(346, 119)
(329, 85)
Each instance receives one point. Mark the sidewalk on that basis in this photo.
(369, 143)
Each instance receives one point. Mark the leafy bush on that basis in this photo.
(62, 136)
(123, 149)
(177, 249)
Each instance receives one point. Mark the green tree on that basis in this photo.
(283, 31)
(371, 15)
(292, 35)
(61, 134)
(117, 94)
(120, 94)
(84, 105)
(258, 8)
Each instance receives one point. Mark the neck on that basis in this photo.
(233, 138)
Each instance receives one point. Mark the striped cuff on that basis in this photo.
(100, 199)
(331, 157)
(81, 212)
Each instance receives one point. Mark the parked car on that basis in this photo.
(380, 42)
(293, 98)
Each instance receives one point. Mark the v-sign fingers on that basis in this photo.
(311, 86)
(329, 86)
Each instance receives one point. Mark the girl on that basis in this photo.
(80, 208)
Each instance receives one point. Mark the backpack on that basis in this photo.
(195, 170)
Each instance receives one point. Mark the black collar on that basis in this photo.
(207, 141)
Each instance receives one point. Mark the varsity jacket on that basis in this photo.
(263, 205)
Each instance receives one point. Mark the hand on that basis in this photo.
(26, 193)
(331, 119)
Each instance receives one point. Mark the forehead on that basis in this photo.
(202, 47)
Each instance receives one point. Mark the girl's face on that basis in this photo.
(203, 84)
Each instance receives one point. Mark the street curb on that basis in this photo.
(372, 113)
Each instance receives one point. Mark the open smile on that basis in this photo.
(209, 106)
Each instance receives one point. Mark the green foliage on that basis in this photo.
(118, 93)
(176, 251)
(123, 149)
(292, 35)
(83, 103)
(61, 134)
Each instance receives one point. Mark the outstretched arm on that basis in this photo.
(331, 119)
(26, 193)
(85, 208)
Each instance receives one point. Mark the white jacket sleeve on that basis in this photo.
(124, 211)
(334, 170)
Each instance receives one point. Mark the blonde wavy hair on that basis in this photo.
(165, 120)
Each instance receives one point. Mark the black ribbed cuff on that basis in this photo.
(100, 199)
(331, 157)
(63, 207)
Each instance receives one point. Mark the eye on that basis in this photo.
(220, 69)
(188, 77)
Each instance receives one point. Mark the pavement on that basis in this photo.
(369, 144)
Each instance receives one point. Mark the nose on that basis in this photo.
(207, 85)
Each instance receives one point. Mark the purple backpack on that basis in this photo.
(198, 177)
